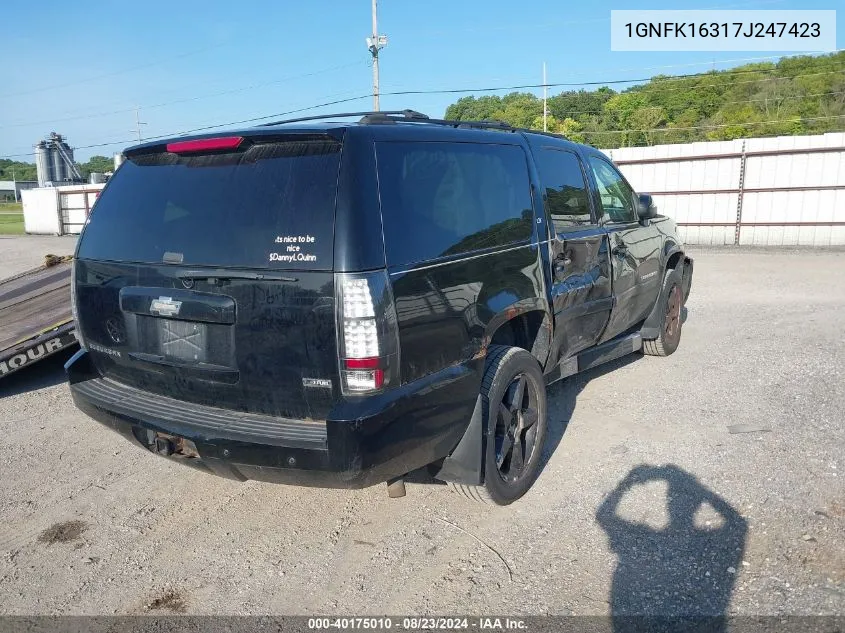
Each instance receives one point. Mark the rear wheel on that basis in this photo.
(514, 397)
(670, 327)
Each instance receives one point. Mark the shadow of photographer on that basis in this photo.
(680, 576)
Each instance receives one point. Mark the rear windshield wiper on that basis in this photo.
(234, 274)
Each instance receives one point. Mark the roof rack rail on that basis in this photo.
(412, 116)
(407, 114)
(416, 117)
(493, 124)
(393, 117)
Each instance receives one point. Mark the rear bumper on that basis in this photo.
(364, 442)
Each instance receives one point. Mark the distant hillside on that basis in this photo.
(798, 95)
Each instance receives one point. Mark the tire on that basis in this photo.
(515, 427)
(671, 305)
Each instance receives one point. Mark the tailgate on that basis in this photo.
(258, 346)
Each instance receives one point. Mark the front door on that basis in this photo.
(580, 290)
(634, 248)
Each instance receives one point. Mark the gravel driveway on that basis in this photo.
(647, 503)
(25, 252)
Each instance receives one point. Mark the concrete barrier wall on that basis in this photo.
(780, 191)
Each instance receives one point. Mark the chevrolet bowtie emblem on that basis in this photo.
(165, 306)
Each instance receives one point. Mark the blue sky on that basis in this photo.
(189, 64)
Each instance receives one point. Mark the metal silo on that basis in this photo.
(58, 164)
(42, 163)
(68, 154)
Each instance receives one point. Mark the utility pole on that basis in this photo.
(138, 123)
(375, 43)
(545, 97)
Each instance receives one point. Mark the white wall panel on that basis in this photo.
(707, 172)
(41, 211)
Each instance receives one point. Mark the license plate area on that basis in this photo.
(183, 340)
(187, 342)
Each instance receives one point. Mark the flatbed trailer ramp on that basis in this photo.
(35, 316)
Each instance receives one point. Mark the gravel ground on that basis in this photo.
(24, 252)
(647, 502)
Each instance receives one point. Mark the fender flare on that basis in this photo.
(542, 343)
(465, 464)
(669, 249)
(651, 327)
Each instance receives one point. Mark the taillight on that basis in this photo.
(367, 332)
(73, 307)
(205, 145)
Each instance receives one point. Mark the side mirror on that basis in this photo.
(646, 208)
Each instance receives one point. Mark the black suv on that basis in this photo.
(339, 304)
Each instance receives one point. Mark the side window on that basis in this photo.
(567, 198)
(442, 199)
(617, 199)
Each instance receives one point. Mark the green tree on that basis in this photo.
(519, 109)
(15, 170)
(552, 124)
(474, 108)
(575, 103)
(100, 164)
(573, 130)
(797, 95)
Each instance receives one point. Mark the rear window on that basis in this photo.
(271, 206)
(440, 199)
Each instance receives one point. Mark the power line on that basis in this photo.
(658, 81)
(187, 99)
(603, 83)
(772, 99)
(705, 63)
(421, 92)
(721, 125)
(113, 73)
(367, 96)
(671, 129)
(211, 127)
(691, 75)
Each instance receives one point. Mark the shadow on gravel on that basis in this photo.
(671, 578)
(43, 374)
(562, 400)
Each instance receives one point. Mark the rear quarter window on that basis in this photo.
(440, 199)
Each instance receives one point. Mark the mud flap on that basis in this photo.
(651, 326)
(686, 285)
(465, 464)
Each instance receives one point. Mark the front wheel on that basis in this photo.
(672, 301)
(514, 397)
